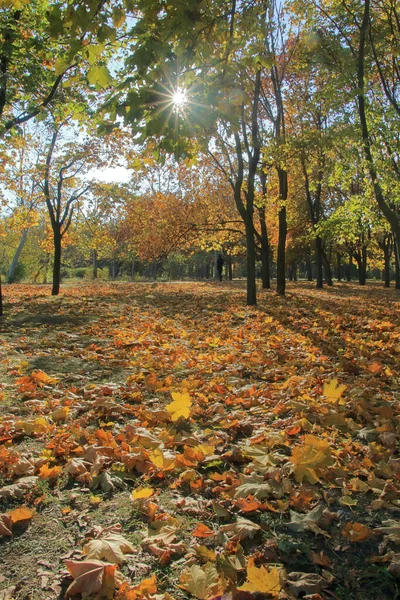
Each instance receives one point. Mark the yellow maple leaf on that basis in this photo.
(315, 454)
(261, 580)
(333, 391)
(60, 414)
(42, 378)
(162, 460)
(38, 425)
(140, 493)
(180, 407)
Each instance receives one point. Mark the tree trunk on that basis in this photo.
(265, 253)
(318, 263)
(230, 268)
(397, 265)
(339, 266)
(94, 257)
(132, 269)
(386, 254)
(349, 266)
(251, 299)
(1, 298)
(280, 262)
(57, 262)
(309, 267)
(14, 263)
(327, 267)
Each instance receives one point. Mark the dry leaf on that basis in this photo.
(111, 547)
(142, 492)
(5, 525)
(242, 529)
(332, 390)
(356, 532)
(91, 577)
(261, 580)
(305, 583)
(202, 582)
(180, 407)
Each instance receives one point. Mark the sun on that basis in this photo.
(179, 98)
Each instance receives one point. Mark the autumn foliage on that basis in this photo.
(163, 441)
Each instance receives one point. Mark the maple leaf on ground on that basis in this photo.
(315, 454)
(356, 532)
(260, 580)
(5, 525)
(19, 488)
(47, 472)
(333, 391)
(21, 515)
(310, 521)
(42, 378)
(144, 589)
(202, 582)
(33, 426)
(306, 583)
(111, 547)
(180, 407)
(91, 577)
(141, 493)
(242, 529)
(162, 460)
(59, 414)
(391, 530)
(202, 531)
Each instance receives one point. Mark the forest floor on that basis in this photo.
(206, 448)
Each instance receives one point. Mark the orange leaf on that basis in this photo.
(202, 531)
(356, 532)
(248, 504)
(91, 577)
(23, 513)
(145, 588)
(46, 472)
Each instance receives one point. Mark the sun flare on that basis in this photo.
(179, 98)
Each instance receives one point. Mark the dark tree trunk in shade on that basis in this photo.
(327, 267)
(318, 263)
(397, 265)
(94, 263)
(386, 255)
(1, 299)
(309, 268)
(57, 262)
(251, 297)
(339, 266)
(282, 233)
(349, 267)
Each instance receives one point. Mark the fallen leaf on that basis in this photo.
(142, 492)
(5, 525)
(241, 529)
(21, 515)
(202, 582)
(305, 583)
(332, 390)
(91, 577)
(356, 532)
(261, 580)
(202, 531)
(111, 547)
(180, 407)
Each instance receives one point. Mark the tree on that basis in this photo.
(63, 185)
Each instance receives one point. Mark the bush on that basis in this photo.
(80, 273)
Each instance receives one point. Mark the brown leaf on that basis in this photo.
(91, 577)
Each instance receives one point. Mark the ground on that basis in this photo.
(252, 448)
